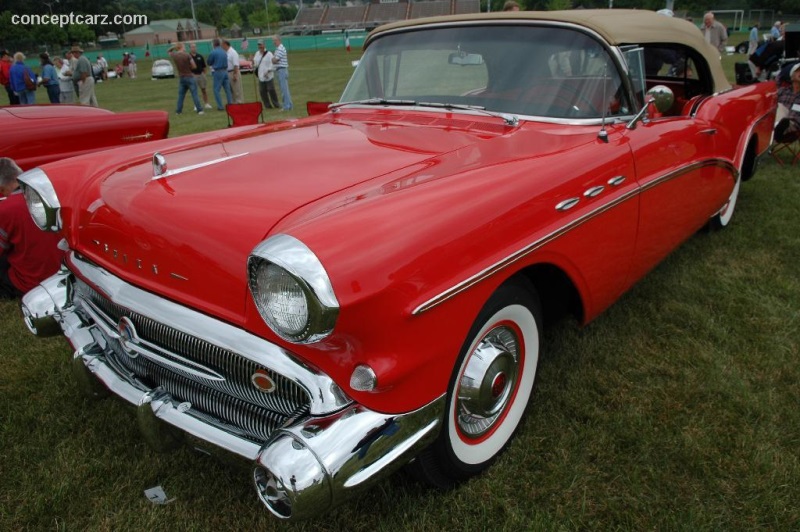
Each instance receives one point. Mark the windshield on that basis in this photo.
(552, 72)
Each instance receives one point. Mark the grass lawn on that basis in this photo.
(677, 409)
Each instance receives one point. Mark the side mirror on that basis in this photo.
(660, 97)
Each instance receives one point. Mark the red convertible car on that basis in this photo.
(33, 135)
(336, 297)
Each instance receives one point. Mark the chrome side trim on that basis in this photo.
(169, 173)
(326, 396)
(577, 222)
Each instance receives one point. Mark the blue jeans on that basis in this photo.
(220, 78)
(188, 84)
(283, 82)
(26, 97)
(54, 93)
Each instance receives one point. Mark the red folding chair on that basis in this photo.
(317, 108)
(244, 114)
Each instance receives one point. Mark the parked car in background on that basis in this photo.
(37, 134)
(162, 69)
(245, 66)
(380, 301)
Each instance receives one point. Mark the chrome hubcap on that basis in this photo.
(488, 382)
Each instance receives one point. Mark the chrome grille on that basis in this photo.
(232, 403)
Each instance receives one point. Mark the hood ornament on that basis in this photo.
(159, 165)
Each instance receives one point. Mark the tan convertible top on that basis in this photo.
(617, 26)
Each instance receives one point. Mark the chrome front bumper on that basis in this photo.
(305, 467)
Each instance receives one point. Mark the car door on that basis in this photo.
(682, 184)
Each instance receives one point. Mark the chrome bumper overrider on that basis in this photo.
(304, 467)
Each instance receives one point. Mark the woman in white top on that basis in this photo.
(64, 80)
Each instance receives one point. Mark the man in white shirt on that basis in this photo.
(233, 72)
(266, 77)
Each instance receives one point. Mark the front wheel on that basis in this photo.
(489, 389)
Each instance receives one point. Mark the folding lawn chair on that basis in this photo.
(244, 114)
(317, 108)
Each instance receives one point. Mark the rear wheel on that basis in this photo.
(723, 217)
(489, 388)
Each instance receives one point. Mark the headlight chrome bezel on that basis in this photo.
(36, 185)
(299, 262)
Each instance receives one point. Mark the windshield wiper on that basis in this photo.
(509, 119)
(373, 101)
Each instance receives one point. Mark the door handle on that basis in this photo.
(710, 131)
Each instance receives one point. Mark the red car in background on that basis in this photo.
(33, 135)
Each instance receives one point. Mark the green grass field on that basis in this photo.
(677, 409)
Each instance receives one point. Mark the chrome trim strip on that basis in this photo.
(577, 222)
(170, 173)
(326, 396)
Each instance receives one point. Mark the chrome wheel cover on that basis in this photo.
(488, 382)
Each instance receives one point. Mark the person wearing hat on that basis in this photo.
(23, 80)
(82, 74)
(5, 76)
(788, 126)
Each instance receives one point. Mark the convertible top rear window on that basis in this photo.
(553, 72)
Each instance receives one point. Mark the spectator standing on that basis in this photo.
(234, 76)
(775, 31)
(281, 62)
(262, 61)
(184, 64)
(218, 61)
(714, 32)
(66, 94)
(788, 127)
(50, 79)
(5, 76)
(28, 255)
(73, 62)
(199, 73)
(753, 40)
(132, 65)
(23, 80)
(510, 5)
(82, 73)
(103, 64)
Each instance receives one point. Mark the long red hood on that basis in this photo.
(188, 235)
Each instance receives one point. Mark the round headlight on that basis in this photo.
(291, 290)
(41, 198)
(281, 300)
(36, 207)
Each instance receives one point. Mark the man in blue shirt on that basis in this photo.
(218, 61)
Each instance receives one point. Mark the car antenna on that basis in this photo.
(603, 134)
